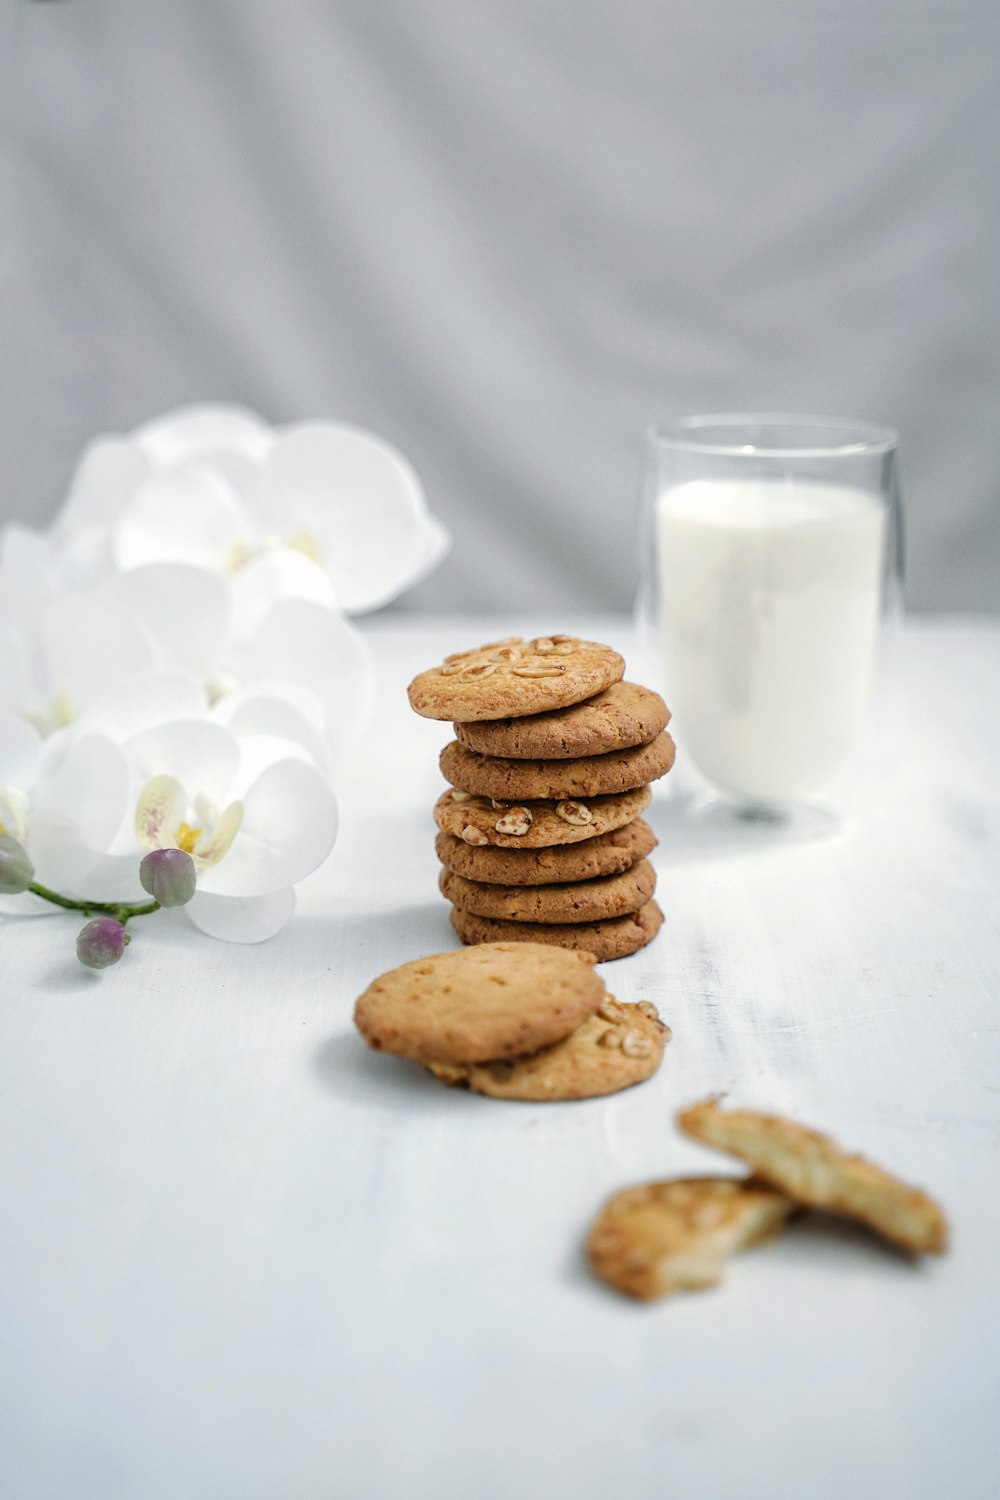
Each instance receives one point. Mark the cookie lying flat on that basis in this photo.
(535, 825)
(607, 854)
(577, 901)
(480, 1004)
(505, 679)
(590, 776)
(615, 938)
(812, 1169)
(622, 716)
(676, 1236)
(622, 1045)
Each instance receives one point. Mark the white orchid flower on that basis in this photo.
(318, 510)
(253, 813)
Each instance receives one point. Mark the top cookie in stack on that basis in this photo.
(541, 837)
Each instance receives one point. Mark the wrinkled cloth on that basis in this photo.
(508, 238)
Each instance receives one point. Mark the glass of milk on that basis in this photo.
(772, 554)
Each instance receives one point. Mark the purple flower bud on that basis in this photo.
(101, 943)
(16, 870)
(169, 876)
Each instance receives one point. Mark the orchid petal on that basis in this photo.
(360, 501)
(89, 641)
(185, 610)
(28, 573)
(77, 803)
(220, 840)
(289, 827)
(258, 753)
(21, 690)
(272, 712)
(194, 431)
(241, 919)
(280, 573)
(20, 748)
(135, 703)
(109, 472)
(191, 515)
(318, 650)
(159, 812)
(201, 755)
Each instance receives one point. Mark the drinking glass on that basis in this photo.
(771, 557)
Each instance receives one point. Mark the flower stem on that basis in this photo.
(121, 912)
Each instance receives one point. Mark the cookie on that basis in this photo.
(620, 1046)
(813, 1169)
(481, 1004)
(505, 679)
(591, 776)
(622, 716)
(578, 901)
(615, 938)
(535, 825)
(676, 1236)
(607, 854)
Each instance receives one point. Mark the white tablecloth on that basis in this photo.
(242, 1258)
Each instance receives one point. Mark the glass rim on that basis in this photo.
(865, 437)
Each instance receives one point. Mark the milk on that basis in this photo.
(770, 608)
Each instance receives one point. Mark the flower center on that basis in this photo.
(305, 542)
(161, 822)
(61, 712)
(187, 837)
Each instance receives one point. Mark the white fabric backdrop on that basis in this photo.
(510, 235)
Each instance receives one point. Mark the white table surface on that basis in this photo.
(242, 1258)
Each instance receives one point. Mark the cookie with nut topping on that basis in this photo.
(605, 854)
(588, 776)
(509, 678)
(577, 901)
(481, 1004)
(615, 938)
(619, 1046)
(483, 821)
(620, 717)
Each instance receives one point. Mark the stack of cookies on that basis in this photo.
(541, 835)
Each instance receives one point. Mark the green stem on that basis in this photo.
(121, 913)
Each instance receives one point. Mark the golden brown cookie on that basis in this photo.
(577, 901)
(591, 776)
(535, 825)
(615, 938)
(508, 678)
(479, 1004)
(812, 1169)
(621, 1045)
(607, 854)
(676, 1236)
(625, 714)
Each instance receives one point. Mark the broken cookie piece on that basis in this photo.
(676, 1236)
(812, 1169)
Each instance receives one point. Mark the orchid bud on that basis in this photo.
(16, 870)
(169, 876)
(101, 943)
